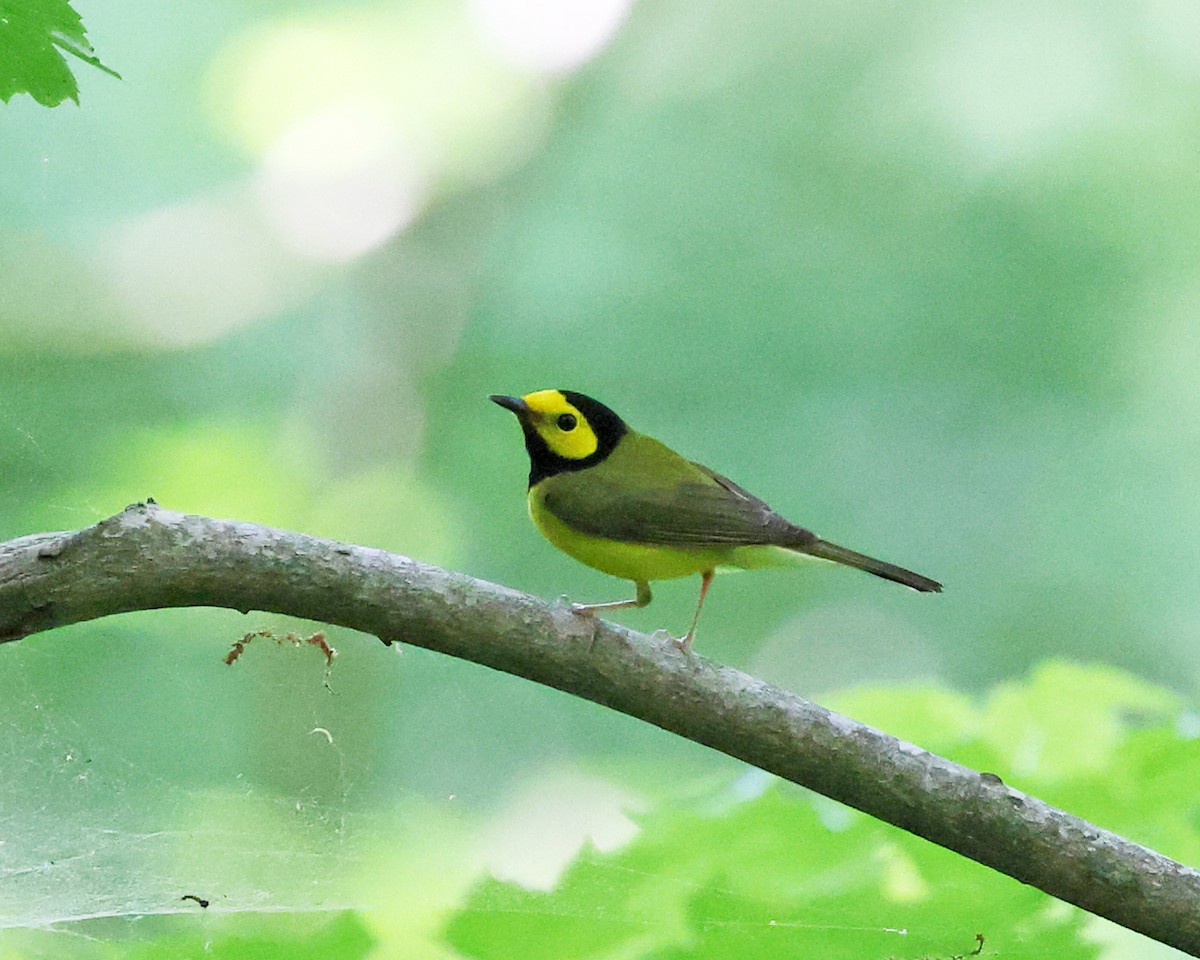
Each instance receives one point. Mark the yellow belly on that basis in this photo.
(629, 561)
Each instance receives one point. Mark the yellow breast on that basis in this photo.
(629, 561)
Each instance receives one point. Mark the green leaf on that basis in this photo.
(33, 36)
(345, 937)
(788, 873)
(214, 934)
(769, 877)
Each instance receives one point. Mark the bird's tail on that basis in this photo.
(889, 571)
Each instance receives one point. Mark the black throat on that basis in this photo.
(606, 425)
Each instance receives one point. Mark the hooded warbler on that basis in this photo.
(631, 507)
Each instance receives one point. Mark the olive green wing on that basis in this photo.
(646, 493)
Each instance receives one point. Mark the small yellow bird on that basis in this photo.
(631, 507)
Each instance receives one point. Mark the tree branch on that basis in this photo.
(147, 558)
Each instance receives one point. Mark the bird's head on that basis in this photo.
(564, 430)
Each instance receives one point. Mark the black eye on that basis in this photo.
(566, 422)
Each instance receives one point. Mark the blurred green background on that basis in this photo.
(923, 276)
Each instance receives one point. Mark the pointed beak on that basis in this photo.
(515, 404)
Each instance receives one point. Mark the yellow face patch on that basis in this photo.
(565, 430)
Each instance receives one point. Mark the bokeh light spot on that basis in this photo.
(1011, 86)
(193, 271)
(338, 183)
(548, 36)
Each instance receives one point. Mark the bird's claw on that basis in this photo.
(683, 644)
(579, 609)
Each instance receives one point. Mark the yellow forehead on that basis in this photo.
(549, 403)
(546, 406)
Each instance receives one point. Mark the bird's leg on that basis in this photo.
(686, 643)
(589, 609)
